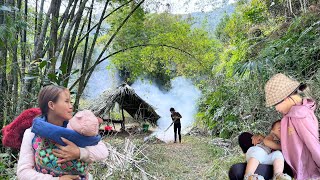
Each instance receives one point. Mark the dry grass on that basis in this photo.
(195, 158)
(130, 158)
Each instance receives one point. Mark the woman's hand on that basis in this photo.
(257, 138)
(69, 177)
(269, 142)
(68, 152)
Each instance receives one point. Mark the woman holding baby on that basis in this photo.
(44, 143)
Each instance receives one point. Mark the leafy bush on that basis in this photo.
(256, 13)
(7, 166)
(234, 98)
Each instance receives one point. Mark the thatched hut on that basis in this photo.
(129, 101)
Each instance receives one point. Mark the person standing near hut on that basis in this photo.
(176, 116)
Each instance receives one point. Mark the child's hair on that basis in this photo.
(301, 88)
(274, 123)
(49, 93)
(299, 91)
(172, 109)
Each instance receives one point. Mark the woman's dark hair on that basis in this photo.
(172, 109)
(274, 123)
(302, 87)
(46, 94)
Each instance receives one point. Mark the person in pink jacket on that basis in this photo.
(56, 107)
(299, 126)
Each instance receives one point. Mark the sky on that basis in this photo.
(185, 6)
(176, 6)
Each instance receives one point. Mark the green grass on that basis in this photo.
(195, 158)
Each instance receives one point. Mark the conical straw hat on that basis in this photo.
(278, 88)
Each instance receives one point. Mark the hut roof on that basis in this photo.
(126, 97)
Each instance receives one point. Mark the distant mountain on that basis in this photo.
(213, 18)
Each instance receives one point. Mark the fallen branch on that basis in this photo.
(125, 161)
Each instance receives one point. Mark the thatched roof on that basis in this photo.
(126, 97)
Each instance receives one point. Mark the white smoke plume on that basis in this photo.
(183, 97)
(101, 80)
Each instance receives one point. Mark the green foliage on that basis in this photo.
(233, 99)
(169, 47)
(40, 72)
(258, 40)
(298, 51)
(11, 26)
(192, 159)
(223, 161)
(7, 166)
(256, 12)
(295, 53)
(220, 29)
(195, 158)
(115, 115)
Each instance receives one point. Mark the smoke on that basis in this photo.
(183, 97)
(101, 80)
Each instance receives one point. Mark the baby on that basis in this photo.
(267, 152)
(85, 123)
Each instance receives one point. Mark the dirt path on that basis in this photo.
(192, 159)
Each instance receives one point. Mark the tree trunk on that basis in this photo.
(3, 75)
(37, 53)
(87, 63)
(38, 20)
(54, 35)
(111, 39)
(14, 71)
(91, 69)
(23, 39)
(71, 25)
(66, 17)
(23, 42)
(66, 61)
(123, 127)
(73, 49)
(88, 32)
(84, 59)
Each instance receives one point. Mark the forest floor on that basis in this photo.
(192, 159)
(195, 158)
